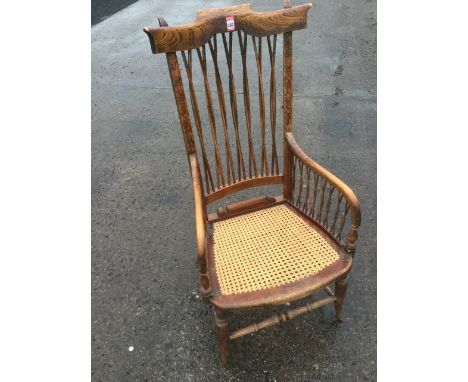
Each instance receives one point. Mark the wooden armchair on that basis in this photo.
(267, 250)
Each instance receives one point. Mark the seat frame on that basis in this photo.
(303, 179)
(283, 293)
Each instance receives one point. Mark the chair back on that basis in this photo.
(229, 60)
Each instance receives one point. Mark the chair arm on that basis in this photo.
(343, 189)
(200, 229)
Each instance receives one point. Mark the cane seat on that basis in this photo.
(267, 248)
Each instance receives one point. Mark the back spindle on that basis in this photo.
(237, 152)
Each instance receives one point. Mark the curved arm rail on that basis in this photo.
(338, 184)
(200, 229)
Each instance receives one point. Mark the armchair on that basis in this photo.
(267, 250)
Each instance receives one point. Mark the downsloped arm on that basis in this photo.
(338, 185)
(200, 229)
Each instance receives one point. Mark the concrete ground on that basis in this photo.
(144, 281)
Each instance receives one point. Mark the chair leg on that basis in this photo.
(222, 332)
(340, 291)
(205, 288)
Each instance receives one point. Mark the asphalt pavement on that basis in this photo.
(102, 9)
(148, 323)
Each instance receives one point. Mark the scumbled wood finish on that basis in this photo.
(234, 150)
(208, 23)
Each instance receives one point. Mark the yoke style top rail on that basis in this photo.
(212, 21)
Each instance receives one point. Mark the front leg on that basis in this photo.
(222, 332)
(340, 291)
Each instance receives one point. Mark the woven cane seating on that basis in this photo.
(267, 250)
